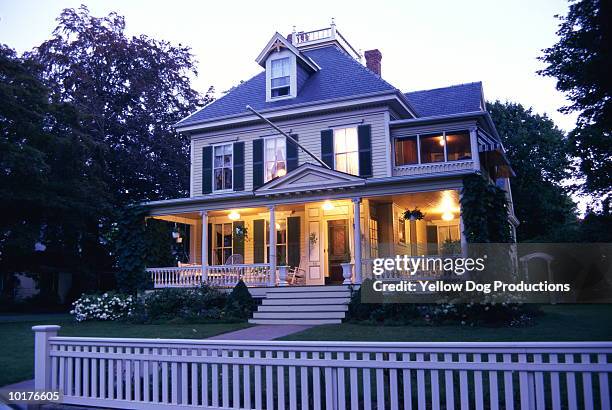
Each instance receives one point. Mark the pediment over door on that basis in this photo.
(309, 178)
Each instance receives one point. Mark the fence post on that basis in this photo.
(42, 359)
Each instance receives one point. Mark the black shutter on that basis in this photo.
(238, 166)
(259, 227)
(327, 147)
(258, 163)
(206, 170)
(237, 244)
(293, 241)
(292, 154)
(210, 243)
(364, 134)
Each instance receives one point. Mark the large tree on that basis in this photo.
(51, 189)
(129, 91)
(538, 152)
(581, 61)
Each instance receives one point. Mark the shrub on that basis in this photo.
(204, 302)
(108, 306)
(240, 303)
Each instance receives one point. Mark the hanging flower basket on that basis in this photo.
(414, 215)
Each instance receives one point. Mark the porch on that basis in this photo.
(309, 243)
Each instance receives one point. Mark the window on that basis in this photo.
(222, 243)
(275, 157)
(222, 167)
(280, 79)
(432, 148)
(346, 150)
(458, 146)
(401, 230)
(373, 238)
(406, 151)
(281, 242)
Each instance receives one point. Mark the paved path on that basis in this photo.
(261, 332)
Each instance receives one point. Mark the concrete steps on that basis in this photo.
(307, 305)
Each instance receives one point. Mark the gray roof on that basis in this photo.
(455, 99)
(340, 76)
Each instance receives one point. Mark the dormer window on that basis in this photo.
(280, 77)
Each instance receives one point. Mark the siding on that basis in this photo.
(309, 133)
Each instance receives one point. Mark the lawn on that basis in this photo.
(17, 338)
(559, 323)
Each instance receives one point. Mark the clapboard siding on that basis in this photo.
(309, 134)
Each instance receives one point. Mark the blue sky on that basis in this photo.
(424, 44)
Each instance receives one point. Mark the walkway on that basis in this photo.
(261, 332)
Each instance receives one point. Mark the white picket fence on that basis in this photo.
(169, 373)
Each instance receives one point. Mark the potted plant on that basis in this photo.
(312, 238)
(241, 233)
(414, 214)
(347, 269)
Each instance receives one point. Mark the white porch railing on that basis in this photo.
(257, 274)
(394, 274)
(170, 373)
(176, 277)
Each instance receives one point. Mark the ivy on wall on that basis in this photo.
(484, 209)
(131, 250)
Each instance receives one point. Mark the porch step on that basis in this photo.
(295, 321)
(308, 305)
(304, 308)
(298, 315)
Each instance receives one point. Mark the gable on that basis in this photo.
(308, 178)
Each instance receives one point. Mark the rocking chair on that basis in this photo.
(296, 275)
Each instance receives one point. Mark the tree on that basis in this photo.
(581, 62)
(539, 154)
(51, 190)
(129, 91)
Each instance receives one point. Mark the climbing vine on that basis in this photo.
(485, 211)
(131, 250)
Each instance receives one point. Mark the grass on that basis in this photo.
(559, 323)
(17, 338)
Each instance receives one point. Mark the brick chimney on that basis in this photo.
(373, 58)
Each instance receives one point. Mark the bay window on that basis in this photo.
(346, 150)
(275, 157)
(223, 167)
(432, 148)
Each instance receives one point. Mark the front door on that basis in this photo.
(337, 250)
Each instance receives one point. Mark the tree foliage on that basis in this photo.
(539, 154)
(129, 91)
(51, 187)
(581, 61)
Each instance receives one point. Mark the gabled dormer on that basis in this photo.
(286, 68)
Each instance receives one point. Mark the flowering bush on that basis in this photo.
(108, 306)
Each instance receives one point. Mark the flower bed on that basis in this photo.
(108, 306)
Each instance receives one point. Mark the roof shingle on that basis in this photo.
(447, 100)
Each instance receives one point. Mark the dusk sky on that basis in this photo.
(424, 44)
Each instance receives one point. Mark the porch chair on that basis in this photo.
(296, 275)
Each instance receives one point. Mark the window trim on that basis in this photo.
(356, 152)
(267, 240)
(265, 154)
(214, 146)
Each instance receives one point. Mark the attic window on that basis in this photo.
(280, 78)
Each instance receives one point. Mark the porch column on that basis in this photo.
(357, 236)
(272, 243)
(461, 228)
(204, 245)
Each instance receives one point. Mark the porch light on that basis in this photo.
(328, 206)
(441, 141)
(448, 216)
(234, 216)
(277, 226)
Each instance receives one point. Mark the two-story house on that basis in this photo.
(273, 212)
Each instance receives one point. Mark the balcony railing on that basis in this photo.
(432, 168)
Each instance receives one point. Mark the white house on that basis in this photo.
(272, 212)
